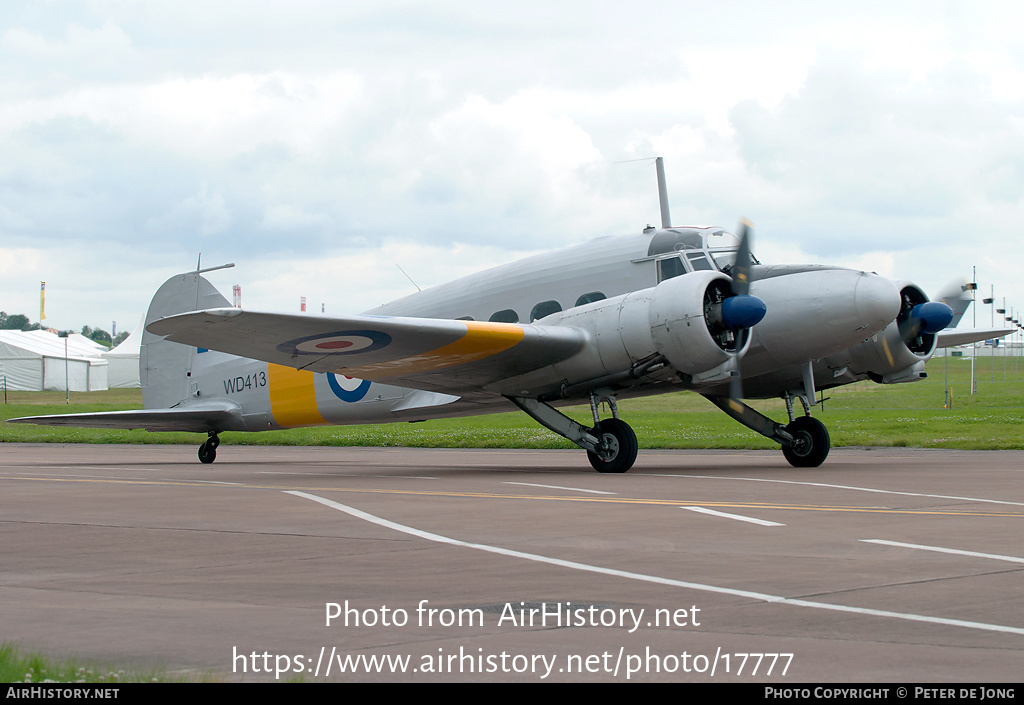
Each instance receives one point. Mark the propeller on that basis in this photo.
(929, 317)
(919, 318)
(740, 310)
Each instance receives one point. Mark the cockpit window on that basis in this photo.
(673, 240)
(670, 267)
(722, 240)
(722, 246)
(698, 261)
(695, 249)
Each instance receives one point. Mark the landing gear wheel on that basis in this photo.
(811, 443)
(208, 450)
(207, 453)
(620, 445)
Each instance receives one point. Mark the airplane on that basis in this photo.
(661, 310)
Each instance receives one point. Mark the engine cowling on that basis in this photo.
(687, 318)
(899, 352)
(681, 320)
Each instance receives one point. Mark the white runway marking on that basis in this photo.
(940, 549)
(843, 487)
(558, 487)
(737, 517)
(342, 474)
(763, 597)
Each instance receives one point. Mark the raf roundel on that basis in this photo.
(338, 343)
(348, 389)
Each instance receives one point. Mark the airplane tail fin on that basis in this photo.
(165, 368)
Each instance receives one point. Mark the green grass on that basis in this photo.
(865, 413)
(17, 666)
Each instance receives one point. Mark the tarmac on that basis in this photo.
(884, 565)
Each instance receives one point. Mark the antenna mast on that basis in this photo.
(666, 219)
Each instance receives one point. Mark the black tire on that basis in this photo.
(208, 452)
(622, 446)
(811, 444)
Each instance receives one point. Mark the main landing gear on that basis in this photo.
(810, 444)
(617, 449)
(611, 444)
(805, 441)
(208, 450)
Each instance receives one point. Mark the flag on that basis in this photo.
(42, 301)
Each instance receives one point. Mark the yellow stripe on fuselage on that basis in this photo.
(482, 339)
(292, 397)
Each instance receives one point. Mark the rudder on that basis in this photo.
(165, 368)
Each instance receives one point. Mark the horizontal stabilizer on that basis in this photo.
(196, 418)
(425, 353)
(951, 337)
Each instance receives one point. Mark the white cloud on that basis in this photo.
(300, 139)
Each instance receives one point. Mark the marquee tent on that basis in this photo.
(123, 370)
(35, 361)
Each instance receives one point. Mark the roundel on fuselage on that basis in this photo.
(348, 389)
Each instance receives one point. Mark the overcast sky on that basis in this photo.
(319, 144)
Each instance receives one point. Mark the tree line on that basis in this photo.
(19, 321)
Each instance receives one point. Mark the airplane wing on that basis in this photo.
(424, 353)
(951, 337)
(198, 418)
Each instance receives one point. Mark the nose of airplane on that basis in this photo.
(819, 312)
(877, 301)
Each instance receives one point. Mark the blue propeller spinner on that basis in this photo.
(931, 316)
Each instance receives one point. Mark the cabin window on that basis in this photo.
(544, 308)
(505, 316)
(590, 298)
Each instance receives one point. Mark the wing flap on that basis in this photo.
(427, 353)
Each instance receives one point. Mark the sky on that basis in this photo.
(322, 145)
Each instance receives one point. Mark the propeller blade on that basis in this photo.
(741, 311)
(736, 383)
(740, 271)
(957, 296)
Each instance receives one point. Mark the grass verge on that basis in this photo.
(862, 414)
(17, 666)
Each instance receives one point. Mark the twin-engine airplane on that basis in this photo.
(675, 308)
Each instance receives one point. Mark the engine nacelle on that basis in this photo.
(898, 353)
(679, 319)
(685, 317)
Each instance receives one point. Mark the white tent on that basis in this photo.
(124, 361)
(35, 361)
(82, 343)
